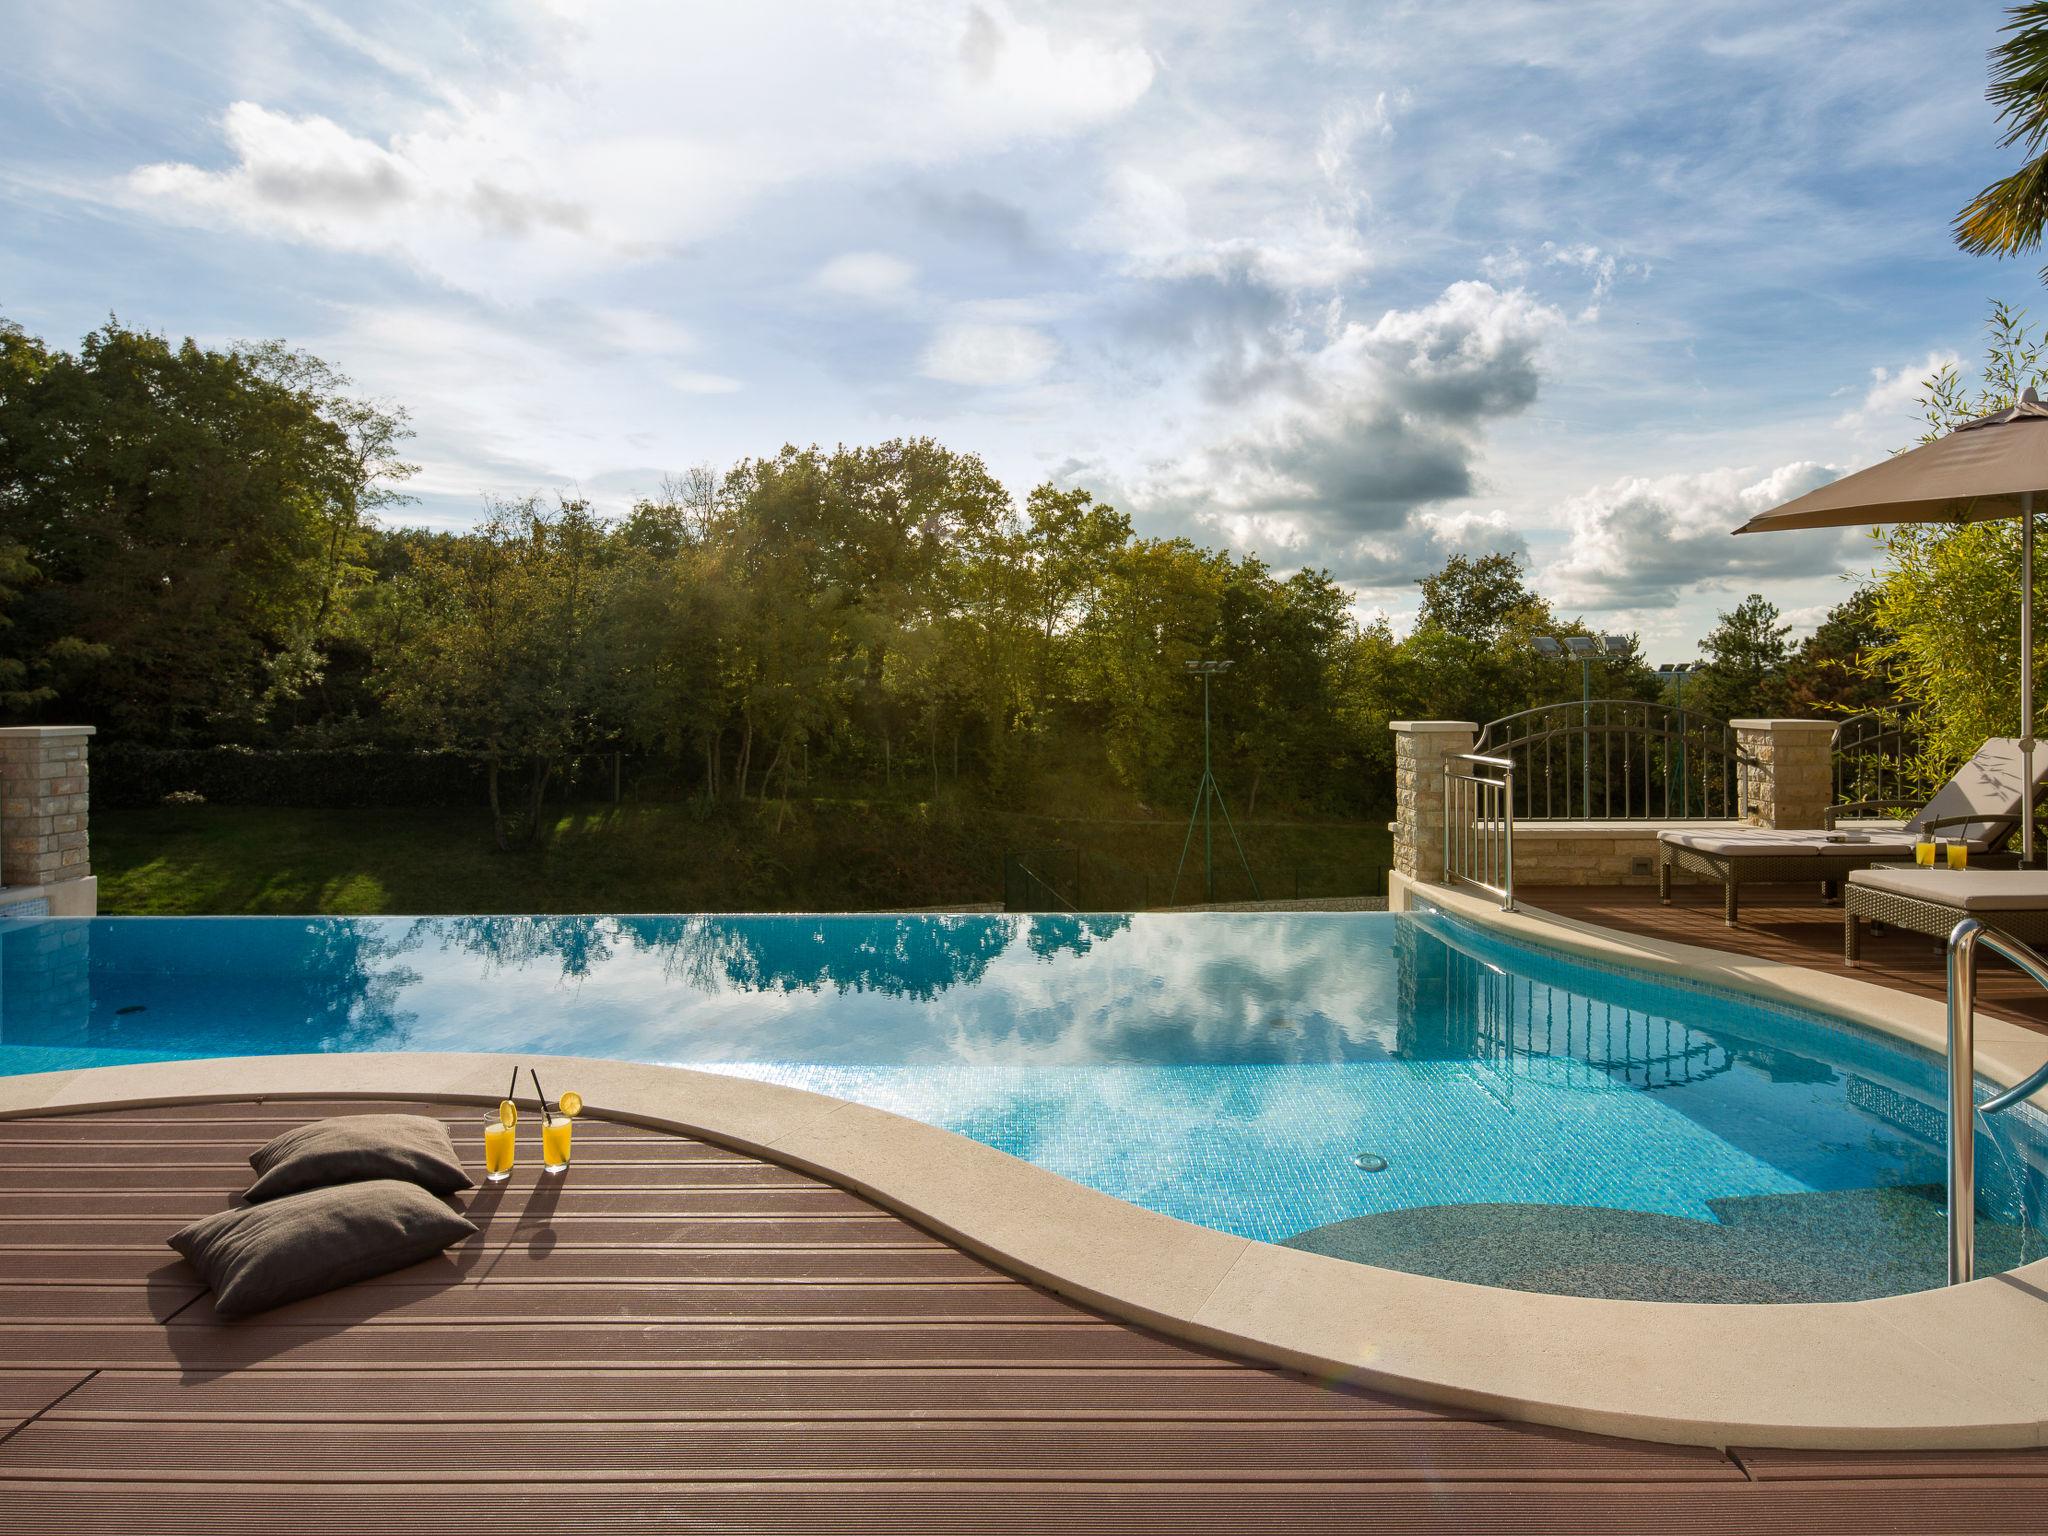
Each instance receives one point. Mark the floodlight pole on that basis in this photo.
(1208, 821)
(1207, 792)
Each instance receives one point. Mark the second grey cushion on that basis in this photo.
(351, 1147)
(256, 1257)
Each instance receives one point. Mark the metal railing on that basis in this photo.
(1964, 940)
(1870, 753)
(1625, 759)
(1479, 826)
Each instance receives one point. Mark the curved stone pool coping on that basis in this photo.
(1965, 1367)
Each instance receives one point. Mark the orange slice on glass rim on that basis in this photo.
(571, 1104)
(508, 1113)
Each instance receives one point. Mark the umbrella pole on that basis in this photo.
(2027, 678)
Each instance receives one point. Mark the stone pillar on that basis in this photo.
(1795, 780)
(45, 794)
(1420, 747)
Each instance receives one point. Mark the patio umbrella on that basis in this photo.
(1987, 468)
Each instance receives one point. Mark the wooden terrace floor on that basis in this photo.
(677, 1337)
(1792, 924)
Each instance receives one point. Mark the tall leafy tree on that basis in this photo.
(181, 521)
(1747, 650)
(506, 654)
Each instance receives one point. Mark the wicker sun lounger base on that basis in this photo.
(1757, 869)
(1895, 897)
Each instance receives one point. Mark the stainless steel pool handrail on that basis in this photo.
(1485, 844)
(1964, 940)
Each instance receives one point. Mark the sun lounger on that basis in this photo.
(1933, 901)
(1981, 805)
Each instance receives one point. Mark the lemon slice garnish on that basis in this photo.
(571, 1104)
(508, 1113)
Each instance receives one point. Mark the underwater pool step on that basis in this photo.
(1824, 1245)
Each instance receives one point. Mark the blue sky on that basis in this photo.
(1353, 285)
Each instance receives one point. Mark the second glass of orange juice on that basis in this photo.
(554, 1143)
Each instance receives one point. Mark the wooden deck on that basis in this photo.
(1788, 923)
(677, 1337)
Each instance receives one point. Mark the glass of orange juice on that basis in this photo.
(498, 1150)
(1923, 853)
(1958, 854)
(554, 1143)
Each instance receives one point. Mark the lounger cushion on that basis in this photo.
(1765, 843)
(1737, 844)
(256, 1257)
(1967, 890)
(351, 1147)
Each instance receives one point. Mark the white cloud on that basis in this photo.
(1602, 266)
(870, 277)
(1640, 542)
(1364, 426)
(1893, 397)
(595, 146)
(968, 352)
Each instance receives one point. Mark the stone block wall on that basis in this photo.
(1420, 748)
(1794, 782)
(45, 800)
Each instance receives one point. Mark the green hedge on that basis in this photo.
(127, 776)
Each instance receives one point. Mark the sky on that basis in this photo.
(1354, 286)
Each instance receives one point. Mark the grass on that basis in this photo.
(661, 858)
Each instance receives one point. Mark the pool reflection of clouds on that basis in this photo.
(1223, 1068)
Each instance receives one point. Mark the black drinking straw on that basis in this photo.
(545, 1116)
(513, 1088)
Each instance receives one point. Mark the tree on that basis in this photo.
(1834, 670)
(1946, 605)
(2007, 217)
(505, 656)
(180, 523)
(1476, 599)
(1746, 651)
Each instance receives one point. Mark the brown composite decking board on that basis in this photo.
(1791, 924)
(540, 1508)
(678, 1364)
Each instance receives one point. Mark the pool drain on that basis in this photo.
(133, 1008)
(1369, 1162)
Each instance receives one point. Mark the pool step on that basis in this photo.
(1826, 1245)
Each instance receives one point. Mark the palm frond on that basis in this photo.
(2010, 215)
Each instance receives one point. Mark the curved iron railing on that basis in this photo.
(1624, 759)
(1871, 751)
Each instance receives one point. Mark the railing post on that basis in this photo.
(1962, 1100)
(1507, 901)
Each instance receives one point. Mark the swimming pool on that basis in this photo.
(1402, 1090)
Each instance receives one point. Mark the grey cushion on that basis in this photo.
(1771, 843)
(1737, 843)
(260, 1256)
(1967, 890)
(351, 1147)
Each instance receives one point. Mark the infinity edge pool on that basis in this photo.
(1946, 1368)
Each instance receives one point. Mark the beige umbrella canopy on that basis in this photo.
(1987, 468)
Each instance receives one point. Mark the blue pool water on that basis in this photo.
(1541, 1121)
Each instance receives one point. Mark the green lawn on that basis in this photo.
(650, 858)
